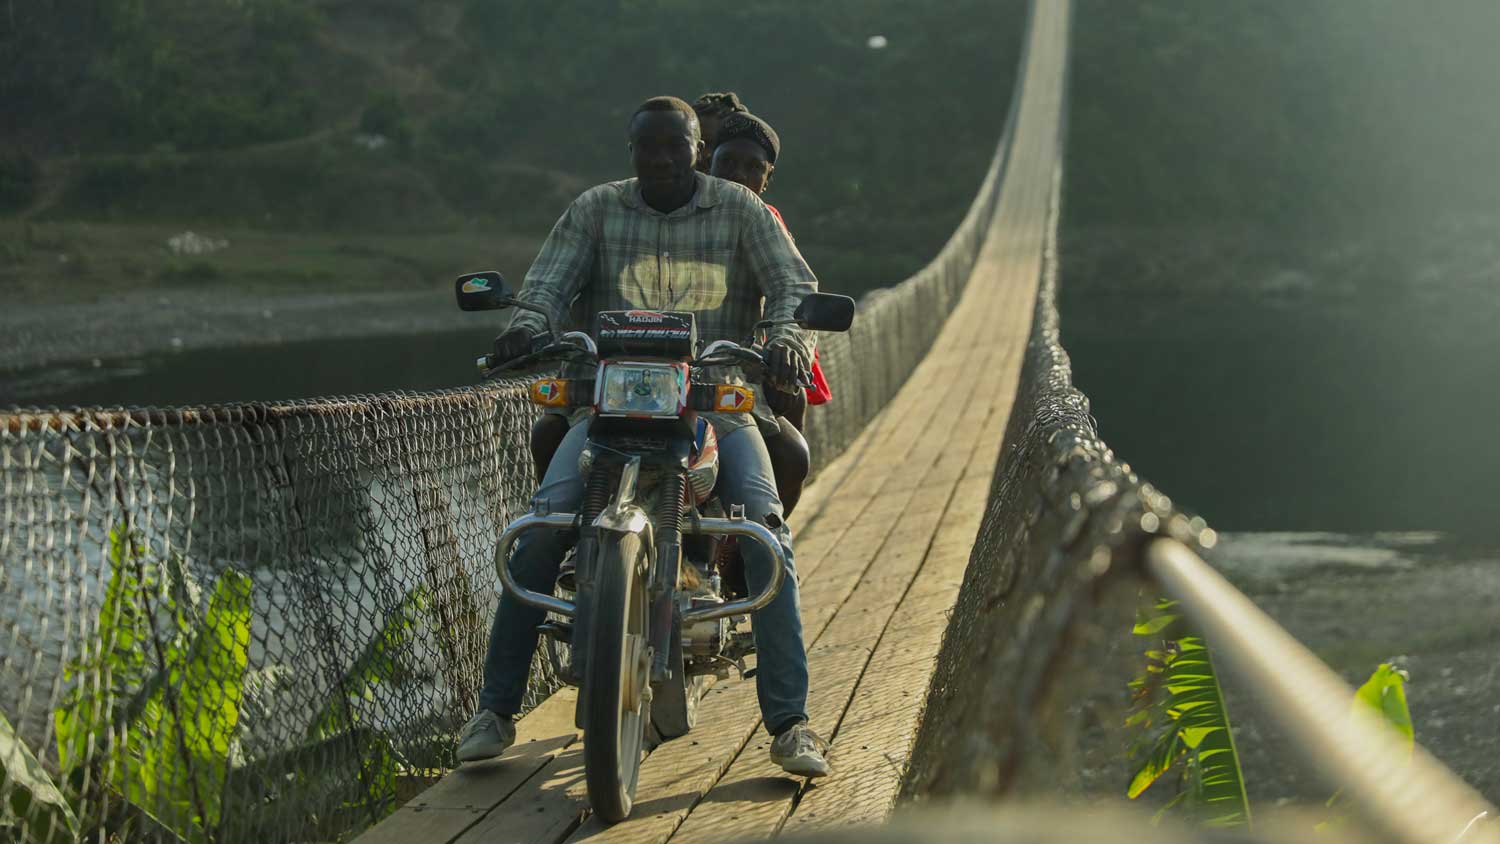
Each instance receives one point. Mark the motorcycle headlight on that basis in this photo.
(643, 389)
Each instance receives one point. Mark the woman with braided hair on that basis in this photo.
(745, 153)
(711, 110)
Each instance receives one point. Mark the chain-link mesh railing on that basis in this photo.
(1028, 684)
(265, 622)
(248, 622)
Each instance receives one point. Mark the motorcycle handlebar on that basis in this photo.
(721, 353)
(490, 365)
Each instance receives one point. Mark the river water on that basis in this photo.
(259, 373)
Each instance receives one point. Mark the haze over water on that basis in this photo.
(1281, 278)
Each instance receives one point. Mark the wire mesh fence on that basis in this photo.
(1029, 697)
(225, 622)
(266, 622)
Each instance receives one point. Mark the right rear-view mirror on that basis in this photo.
(483, 291)
(825, 312)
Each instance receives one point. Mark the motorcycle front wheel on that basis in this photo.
(617, 676)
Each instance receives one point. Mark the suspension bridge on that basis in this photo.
(966, 540)
(881, 556)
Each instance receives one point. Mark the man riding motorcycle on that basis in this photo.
(669, 239)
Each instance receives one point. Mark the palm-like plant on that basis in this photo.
(1181, 709)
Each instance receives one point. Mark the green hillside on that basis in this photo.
(408, 139)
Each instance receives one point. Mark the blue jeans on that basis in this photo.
(745, 477)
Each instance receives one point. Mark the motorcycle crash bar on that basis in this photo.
(723, 527)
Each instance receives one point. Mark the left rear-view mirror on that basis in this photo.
(483, 291)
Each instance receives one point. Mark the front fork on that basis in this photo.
(666, 565)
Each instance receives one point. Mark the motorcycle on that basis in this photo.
(650, 619)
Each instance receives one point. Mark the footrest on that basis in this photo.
(562, 631)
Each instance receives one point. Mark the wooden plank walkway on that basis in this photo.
(885, 535)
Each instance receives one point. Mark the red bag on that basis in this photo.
(818, 393)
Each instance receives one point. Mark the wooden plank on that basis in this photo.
(544, 814)
(677, 773)
(874, 741)
(463, 797)
(755, 796)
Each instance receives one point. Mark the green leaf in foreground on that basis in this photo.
(1385, 694)
(191, 723)
(154, 707)
(32, 801)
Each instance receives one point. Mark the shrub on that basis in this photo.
(20, 177)
(384, 115)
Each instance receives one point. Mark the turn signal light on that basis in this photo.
(730, 398)
(550, 392)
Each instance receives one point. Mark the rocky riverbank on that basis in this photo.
(135, 323)
(1424, 602)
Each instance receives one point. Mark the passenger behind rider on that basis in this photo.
(711, 110)
(746, 153)
(730, 261)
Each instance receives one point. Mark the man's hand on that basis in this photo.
(787, 367)
(511, 344)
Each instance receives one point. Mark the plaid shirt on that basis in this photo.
(716, 256)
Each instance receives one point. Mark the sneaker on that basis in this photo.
(485, 737)
(800, 752)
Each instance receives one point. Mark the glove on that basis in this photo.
(511, 344)
(787, 367)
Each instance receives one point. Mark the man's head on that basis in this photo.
(665, 144)
(746, 152)
(711, 110)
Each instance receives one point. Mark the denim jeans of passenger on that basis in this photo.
(744, 478)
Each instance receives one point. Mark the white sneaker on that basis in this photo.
(485, 737)
(800, 752)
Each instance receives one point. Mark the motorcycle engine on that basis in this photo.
(704, 640)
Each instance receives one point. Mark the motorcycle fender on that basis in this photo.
(627, 519)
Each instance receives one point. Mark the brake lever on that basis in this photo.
(731, 357)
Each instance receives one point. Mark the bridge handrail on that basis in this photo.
(1410, 795)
